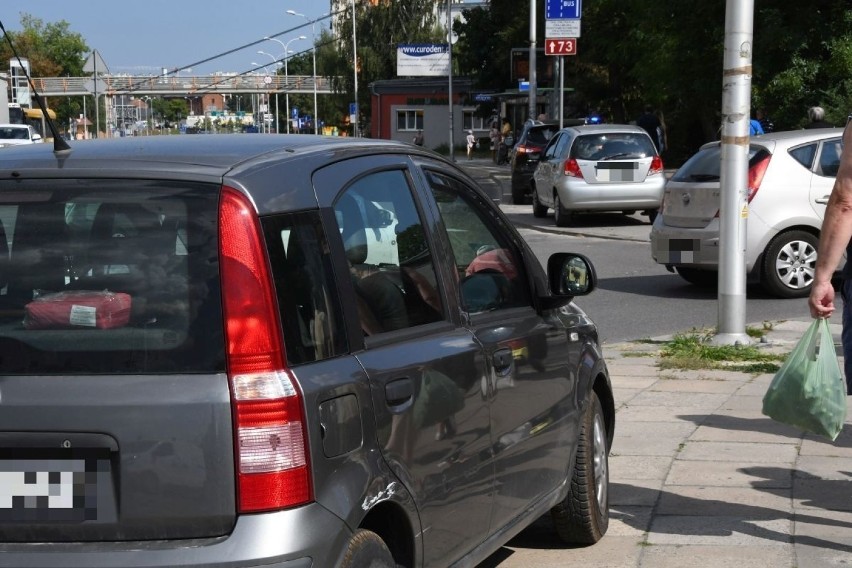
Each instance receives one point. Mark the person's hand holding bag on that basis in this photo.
(808, 390)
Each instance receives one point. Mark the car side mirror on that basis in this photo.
(570, 274)
(36, 137)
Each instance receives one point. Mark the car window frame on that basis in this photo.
(329, 182)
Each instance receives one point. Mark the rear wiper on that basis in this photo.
(617, 156)
(704, 177)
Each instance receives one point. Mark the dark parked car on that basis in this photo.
(246, 350)
(525, 157)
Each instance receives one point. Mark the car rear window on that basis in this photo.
(541, 135)
(612, 146)
(706, 164)
(109, 277)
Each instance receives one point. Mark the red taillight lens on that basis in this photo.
(272, 460)
(755, 175)
(656, 165)
(572, 168)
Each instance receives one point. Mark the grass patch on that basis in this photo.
(693, 351)
(638, 354)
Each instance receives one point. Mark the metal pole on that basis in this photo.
(287, 87)
(450, 80)
(532, 76)
(733, 210)
(561, 115)
(355, 68)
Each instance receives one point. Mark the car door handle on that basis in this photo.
(398, 393)
(502, 360)
(822, 200)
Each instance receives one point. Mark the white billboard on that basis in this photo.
(423, 60)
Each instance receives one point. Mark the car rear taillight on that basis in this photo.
(656, 165)
(272, 459)
(755, 175)
(572, 168)
(522, 149)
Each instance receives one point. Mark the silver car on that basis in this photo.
(603, 167)
(790, 176)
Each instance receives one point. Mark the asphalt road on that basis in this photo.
(636, 298)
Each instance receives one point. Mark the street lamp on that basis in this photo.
(286, 46)
(314, 56)
(260, 105)
(274, 60)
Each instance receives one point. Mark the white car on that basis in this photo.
(790, 177)
(17, 134)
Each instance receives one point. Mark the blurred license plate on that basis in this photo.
(617, 171)
(47, 490)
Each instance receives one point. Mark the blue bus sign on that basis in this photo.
(562, 9)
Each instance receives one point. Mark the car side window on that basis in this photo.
(302, 270)
(490, 272)
(829, 158)
(804, 154)
(550, 150)
(388, 253)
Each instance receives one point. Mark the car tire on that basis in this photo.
(789, 262)
(698, 277)
(539, 210)
(366, 549)
(561, 216)
(583, 516)
(652, 215)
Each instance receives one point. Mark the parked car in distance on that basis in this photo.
(244, 350)
(596, 168)
(17, 134)
(790, 177)
(525, 156)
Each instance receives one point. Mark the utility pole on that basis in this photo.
(733, 210)
(450, 76)
(532, 76)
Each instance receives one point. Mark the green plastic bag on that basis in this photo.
(808, 390)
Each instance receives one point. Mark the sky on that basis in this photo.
(143, 37)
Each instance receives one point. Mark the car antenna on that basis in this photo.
(60, 146)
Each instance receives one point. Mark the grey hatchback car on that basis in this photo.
(289, 351)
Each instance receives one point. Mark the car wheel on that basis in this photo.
(367, 550)
(652, 215)
(561, 216)
(702, 278)
(539, 210)
(788, 264)
(583, 516)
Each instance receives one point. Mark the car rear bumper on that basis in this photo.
(677, 246)
(271, 540)
(582, 196)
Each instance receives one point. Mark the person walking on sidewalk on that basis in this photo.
(471, 144)
(834, 240)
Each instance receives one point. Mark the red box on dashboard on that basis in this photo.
(79, 309)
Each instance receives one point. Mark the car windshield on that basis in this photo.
(14, 133)
(613, 146)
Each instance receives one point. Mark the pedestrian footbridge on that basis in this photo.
(157, 85)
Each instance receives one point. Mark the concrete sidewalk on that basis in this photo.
(700, 477)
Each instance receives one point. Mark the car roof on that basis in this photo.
(788, 138)
(604, 128)
(211, 154)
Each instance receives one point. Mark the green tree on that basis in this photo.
(53, 50)
(380, 29)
